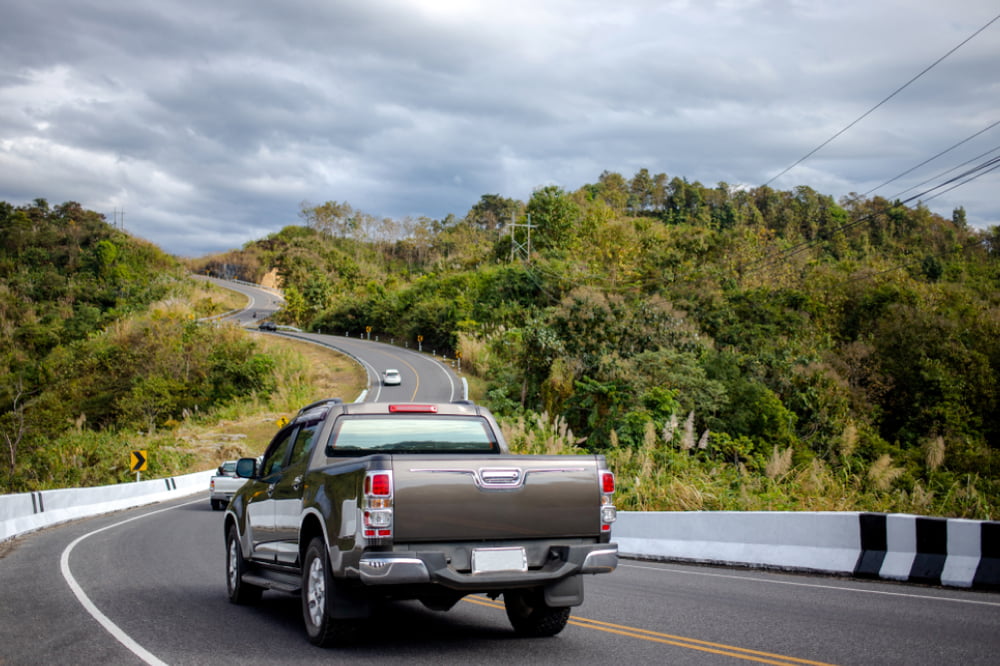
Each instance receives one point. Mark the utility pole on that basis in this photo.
(518, 249)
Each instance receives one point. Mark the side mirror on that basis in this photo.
(246, 468)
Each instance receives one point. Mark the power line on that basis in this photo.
(946, 172)
(871, 110)
(955, 182)
(868, 276)
(974, 173)
(931, 159)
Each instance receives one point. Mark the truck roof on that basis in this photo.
(459, 408)
(320, 408)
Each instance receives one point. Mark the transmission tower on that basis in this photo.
(519, 250)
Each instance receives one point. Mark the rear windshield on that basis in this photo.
(361, 435)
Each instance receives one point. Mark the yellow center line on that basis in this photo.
(670, 639)
(416, 386)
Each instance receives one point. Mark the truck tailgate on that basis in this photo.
(449, 498)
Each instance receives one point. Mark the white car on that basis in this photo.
(391, 377)
(223, 485)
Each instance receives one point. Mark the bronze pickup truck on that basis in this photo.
(355, 504)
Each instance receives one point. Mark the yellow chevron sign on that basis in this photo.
(137, 461)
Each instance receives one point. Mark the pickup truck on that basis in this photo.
(223, 485)
(352, 505)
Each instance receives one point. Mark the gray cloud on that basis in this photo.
(209, 123)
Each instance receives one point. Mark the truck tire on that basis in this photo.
(217, 505)
(531, 616)
(239, 592)
(318, 592)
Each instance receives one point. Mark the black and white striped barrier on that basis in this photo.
(937, 551)
(26, 512)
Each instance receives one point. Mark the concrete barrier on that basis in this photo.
(936, 551)
(802, 541)
(26, 512)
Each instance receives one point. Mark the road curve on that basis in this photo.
(261, 303)
(425, 377)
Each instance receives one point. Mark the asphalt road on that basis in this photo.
(157, 575)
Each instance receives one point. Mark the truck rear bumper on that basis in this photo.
(432, 567)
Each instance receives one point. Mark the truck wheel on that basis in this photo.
(318, 590)
(531, 616)
(239, 592)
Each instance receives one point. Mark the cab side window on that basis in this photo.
(303, 444)
(275, 460)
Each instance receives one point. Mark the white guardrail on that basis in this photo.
(937, 551)
(26, 512)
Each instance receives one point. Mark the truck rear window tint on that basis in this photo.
(362, 435)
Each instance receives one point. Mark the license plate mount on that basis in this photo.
(494, 560)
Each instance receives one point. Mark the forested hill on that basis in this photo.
(65, 273)
(838, 346)
(98, 345)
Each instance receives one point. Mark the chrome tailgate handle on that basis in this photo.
(501, 478)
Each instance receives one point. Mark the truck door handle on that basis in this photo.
(270, 489)
(297, 483)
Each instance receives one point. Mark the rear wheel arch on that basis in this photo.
(312, 528)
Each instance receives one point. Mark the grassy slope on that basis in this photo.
(247, 429)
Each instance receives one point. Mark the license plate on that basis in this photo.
(489, 560)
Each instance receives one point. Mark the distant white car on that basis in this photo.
(391, 377)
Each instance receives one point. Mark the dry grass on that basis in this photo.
(209, 299)
(779, 464)
(934, 450)
(881, 474)
(310, 373)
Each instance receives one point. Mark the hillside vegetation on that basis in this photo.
(725, 348)
(102, 353)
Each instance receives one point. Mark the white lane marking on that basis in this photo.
(450, 377)
(89, 606)
(815, 585)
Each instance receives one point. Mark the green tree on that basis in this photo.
(640, 192)
(553, 215)
(493, 211)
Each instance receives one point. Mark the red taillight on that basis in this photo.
(378, 484)
(377, 506)
(608, 511)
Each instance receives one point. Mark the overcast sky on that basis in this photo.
(209, 122)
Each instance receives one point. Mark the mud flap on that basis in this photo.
(349, 602)
(567, 592)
